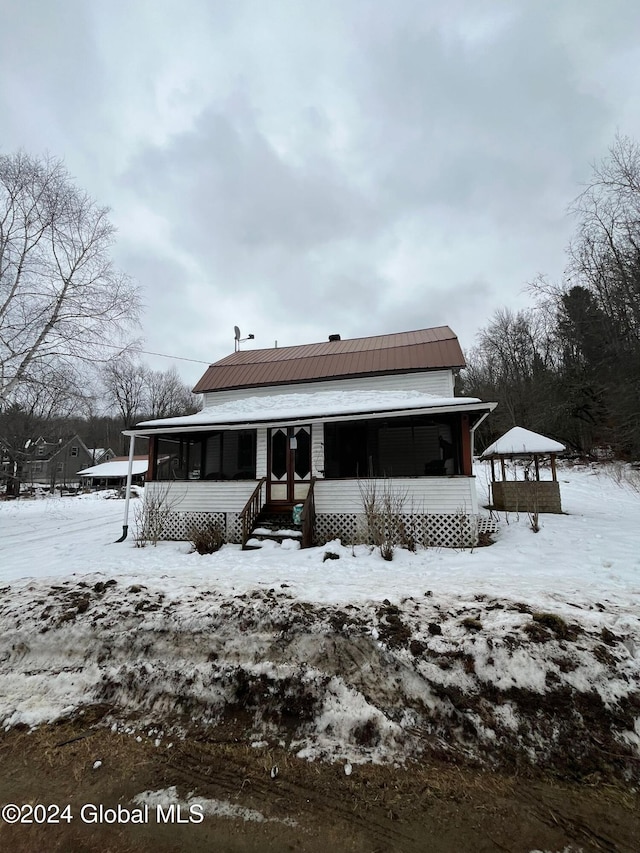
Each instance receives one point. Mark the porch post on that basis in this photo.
(125, 524)
(467, 461)
(153, 459)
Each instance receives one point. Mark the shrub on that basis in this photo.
(383, 513)
(151, 516)
(207, 539)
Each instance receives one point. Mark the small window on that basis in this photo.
(74, 450)
(59, 467)
(41, 450)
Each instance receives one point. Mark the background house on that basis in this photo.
(310, 424)
(57, 462)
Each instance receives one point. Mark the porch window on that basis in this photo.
(228, 455)
(179, 458)
(415, 446)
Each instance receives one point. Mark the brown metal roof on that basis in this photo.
(425, 349)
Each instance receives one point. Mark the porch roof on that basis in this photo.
(116, 468)
(312, 406)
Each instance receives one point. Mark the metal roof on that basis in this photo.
(425, 349)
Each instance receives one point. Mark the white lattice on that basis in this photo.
(457, 530)
(180, 524)
(234, 527)
(487, 524)
(446, 530)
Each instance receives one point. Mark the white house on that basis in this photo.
(312, 424)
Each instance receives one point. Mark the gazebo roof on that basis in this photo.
(522, 442)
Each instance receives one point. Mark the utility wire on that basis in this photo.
(161, 354)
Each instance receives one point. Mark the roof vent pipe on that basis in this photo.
(334, 338)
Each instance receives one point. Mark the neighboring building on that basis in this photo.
(101, 454)
(113, 473)
(54, 463)
(315, 424)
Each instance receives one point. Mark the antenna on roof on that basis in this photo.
(238, 340)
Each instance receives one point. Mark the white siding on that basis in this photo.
(317, 450)
(436, 382)
(207, 496)
(261, 453)
(424, 494)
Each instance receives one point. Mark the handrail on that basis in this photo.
(251, 511)
(309, 516)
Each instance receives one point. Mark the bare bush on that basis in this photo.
(152, 515)
(623, 475)
(207, 539)
(383, 510)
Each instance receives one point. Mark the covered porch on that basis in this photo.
(231, 471)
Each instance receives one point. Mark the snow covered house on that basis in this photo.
(112, 474)
(315, 425)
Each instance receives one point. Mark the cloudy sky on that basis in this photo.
(303, 168)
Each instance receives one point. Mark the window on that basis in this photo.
(74, 450)
(415, 446)
(59, 467)
(228, 455)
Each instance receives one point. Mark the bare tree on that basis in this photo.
(168, 395)
(61, 299)
(136, 392)
(125, 384)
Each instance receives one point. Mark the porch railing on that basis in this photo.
(309, 516)
(251, 511)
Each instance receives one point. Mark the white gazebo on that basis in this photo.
(531, 494)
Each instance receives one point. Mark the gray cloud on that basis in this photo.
(302, 169)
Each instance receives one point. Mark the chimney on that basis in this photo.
(334, 338)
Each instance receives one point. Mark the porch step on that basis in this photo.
(276, 526)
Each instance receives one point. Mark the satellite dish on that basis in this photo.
(236, 332)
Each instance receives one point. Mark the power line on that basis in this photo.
(160, 354)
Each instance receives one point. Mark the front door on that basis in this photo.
(289, 464)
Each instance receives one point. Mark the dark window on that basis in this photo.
(279, 449)
(210, 456)
(247, 453)
(400, 447)
(302, 463)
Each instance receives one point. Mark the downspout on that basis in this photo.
(473, 429)
(125, 525)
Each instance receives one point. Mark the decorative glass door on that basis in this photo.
(289, 464)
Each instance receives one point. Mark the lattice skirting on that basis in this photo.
(487, 524)
(457, 530)
(446, 530)
(179, 524)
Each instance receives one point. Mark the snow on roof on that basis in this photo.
(115, 469)
(311, 405)
(522, 441)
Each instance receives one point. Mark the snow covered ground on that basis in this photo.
(372, 657)
(590, 554)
